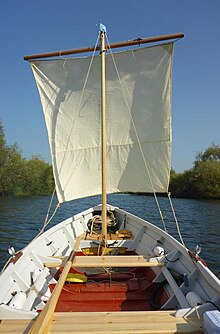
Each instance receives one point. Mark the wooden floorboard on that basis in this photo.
(145, 322)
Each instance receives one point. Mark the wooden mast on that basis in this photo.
(103, 115)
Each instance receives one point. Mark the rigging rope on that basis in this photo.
(47, 219)
(175, 218)
(136, 133)
(80, 101)
(143, 156)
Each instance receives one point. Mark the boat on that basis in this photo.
(105, 270)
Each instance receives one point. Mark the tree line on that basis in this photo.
(202, 180)
(20, 176)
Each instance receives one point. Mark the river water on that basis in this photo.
(22, 217)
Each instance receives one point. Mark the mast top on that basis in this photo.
(102, 28)
(137, 41)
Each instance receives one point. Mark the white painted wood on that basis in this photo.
(176, 290)
(19, 281)
(35, 290)
(59, 238)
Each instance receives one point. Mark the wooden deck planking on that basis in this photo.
(145, 322)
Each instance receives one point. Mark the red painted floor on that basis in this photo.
(132, 290)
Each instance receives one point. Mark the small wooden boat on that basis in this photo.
(105, 270)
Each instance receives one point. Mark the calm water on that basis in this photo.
(199, 220)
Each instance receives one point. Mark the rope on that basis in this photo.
(138, 140)
(143, 156)
(51, 201)
(80, 101)
(175, 218)
(47, 221)
(94, 224)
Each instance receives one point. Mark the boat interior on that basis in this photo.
(110, 289)
(126, 274)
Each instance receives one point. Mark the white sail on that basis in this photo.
(73, 118)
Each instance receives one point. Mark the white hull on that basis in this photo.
(29, 278)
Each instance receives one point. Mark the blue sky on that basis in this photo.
(36, 26)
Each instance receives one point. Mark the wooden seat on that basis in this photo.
(144, 322)
(112, 261)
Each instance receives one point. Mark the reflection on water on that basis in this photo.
(199, 220)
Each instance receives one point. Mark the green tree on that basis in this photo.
(208, 179)
(183, 184)
(11, 173)
(203, 180)
(207, 172)
(19, 176)
(11, 163)
(212, 153)
(2, 147)
(37, 177)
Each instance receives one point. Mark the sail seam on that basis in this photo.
(112, 145)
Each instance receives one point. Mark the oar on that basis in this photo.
(43, 321)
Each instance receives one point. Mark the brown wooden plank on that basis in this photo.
(110, 236)
(114, 261)
(111, 261)
(145, 322)
(42, 323)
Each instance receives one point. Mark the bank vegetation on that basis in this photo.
(21, 176)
